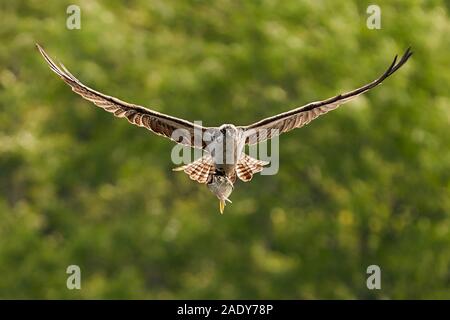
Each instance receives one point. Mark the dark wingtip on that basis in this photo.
(391, 67)
(394, 67)
(394, 62)
(409, 51)
(40, 49)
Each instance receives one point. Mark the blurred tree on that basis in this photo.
(366, 184)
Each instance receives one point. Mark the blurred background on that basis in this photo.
(366, 184)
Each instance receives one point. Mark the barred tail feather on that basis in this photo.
(247, 166)
(199, 170)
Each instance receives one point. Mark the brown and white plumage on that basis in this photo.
(156, 122)
(248, 166)
(215, 168)
(296, 118)
(200, 170)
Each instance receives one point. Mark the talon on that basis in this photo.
(221, 206)
(229, 181)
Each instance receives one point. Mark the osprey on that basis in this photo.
(224, 160)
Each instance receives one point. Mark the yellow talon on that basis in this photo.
(221, 206)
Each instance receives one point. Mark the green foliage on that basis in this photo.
(366, 184)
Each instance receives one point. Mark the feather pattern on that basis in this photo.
(296, 118)
(247, 166)
(200, 170)
(187, 133)
(219, 176)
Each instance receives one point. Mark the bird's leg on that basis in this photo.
(229, 181)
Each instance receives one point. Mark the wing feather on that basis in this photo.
(178, 130)
(296, 118)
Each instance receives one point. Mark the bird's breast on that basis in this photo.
(226, 152)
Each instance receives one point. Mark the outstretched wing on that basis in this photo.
(178, 130)
(296, 118)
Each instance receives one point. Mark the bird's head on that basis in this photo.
(227, 129)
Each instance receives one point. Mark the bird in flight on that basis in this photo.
(224, 158)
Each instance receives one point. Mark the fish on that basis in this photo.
(222, 187)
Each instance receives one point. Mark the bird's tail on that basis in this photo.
(199, 170)
(247, 166)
